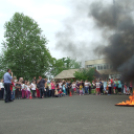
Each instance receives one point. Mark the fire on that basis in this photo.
(129, 102)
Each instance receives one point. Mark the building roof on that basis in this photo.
(66, 74)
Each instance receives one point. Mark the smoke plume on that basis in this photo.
(117, 21)
(75, 40)
(113, 28)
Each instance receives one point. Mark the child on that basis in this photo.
(60, 85)
(15, 80)
(80, 89)
(86, 87)
(23, 89)
(130, 87)
(126, 89)
(37, 89)
(28, 90)
(64, 88)
(61, 93)
(56, 94)
(49, 89)
(105, 87)
(115, 86)
(77, 87)
(74, 87)
(1, 89)
(97, 87)
(119, 86)
(33, 88)
(46, 89)
(18, 90)
(52, 87)
(109, 87)
(11, 90)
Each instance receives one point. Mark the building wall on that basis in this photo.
(102, 67)
(98, 64)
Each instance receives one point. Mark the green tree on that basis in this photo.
(86, 74)
(2, 67)
(57, 66)
(63, 64)
(26, 53)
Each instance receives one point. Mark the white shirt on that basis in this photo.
(1, 85)
(86, 84)
(22, 86)
(28, 87)
(89, 83)
(97, 84)
(73, 86)
(109, 84)
(33, 86)
(60, 85)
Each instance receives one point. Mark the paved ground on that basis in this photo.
(68, 115)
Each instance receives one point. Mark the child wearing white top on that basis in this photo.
(33, 88)
(1, 89)
(23, 89)
(97, 87)
(109, 87)
(73, 87)
(86, 86)
(28, 90)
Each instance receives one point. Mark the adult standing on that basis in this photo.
(69, 87)
(105, 86)
(110, 87)
(46, 89)
(119, 86)
(130, 86)
(101, 87)
(1, 89)
(34, 79)
(7, 82)
(37, 89)
(97, 87)
(52, 87)
(41, 86)
(86, 84)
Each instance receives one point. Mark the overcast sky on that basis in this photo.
(53, 16)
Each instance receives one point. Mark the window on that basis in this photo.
(105, 66)
(99, 67)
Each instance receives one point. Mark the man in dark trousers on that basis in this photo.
(7, 83)
(41, 86)
(69, 87)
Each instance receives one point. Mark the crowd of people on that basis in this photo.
(11, 88)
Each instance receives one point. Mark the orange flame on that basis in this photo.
(128, 102)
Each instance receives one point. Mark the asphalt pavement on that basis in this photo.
(88, 114)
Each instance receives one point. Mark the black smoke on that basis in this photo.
(117, 23)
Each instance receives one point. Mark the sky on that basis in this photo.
(54, 18)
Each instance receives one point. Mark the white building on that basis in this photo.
(102, 67)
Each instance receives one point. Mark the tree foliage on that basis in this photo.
(59, 65)
(86, 74)
(2, 66)
(26, 52)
